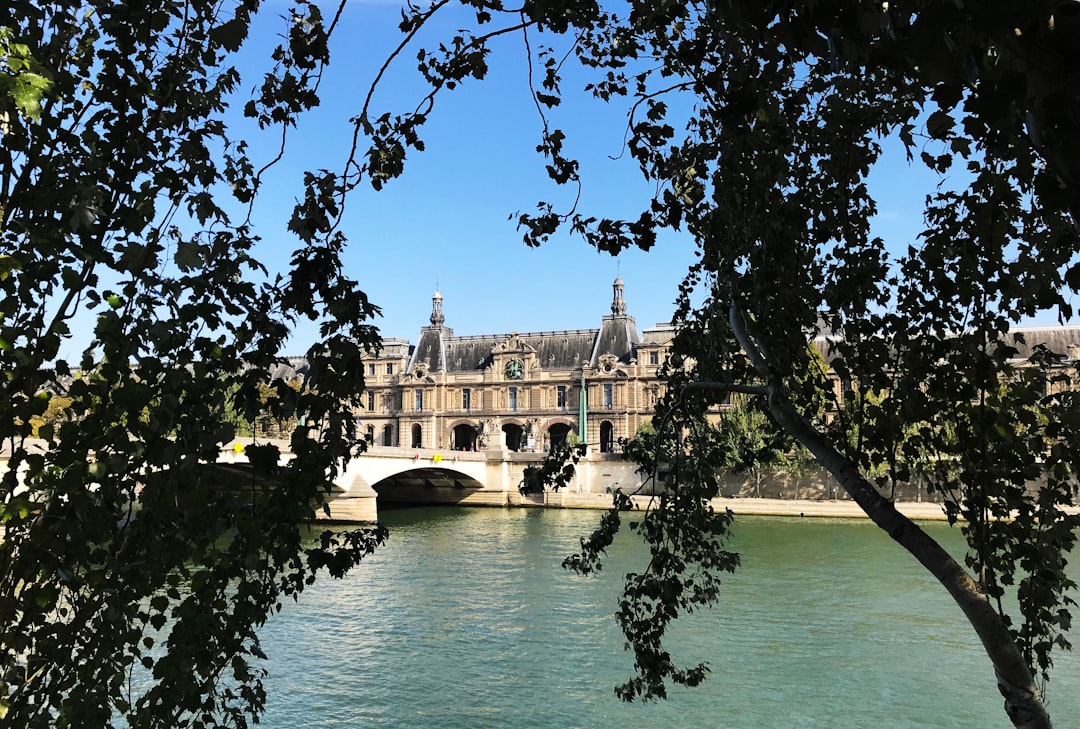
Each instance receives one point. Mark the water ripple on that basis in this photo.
(466, 620)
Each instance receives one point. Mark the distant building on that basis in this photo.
(523, 392)
(515, 391)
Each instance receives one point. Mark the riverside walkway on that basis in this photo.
(833, 508)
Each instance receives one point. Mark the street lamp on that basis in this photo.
(583, 406)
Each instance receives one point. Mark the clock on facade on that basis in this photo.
(514, 369)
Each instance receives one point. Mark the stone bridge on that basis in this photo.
(393, 476)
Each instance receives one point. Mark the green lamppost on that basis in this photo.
(583, 407)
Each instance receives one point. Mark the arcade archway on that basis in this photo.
(607, 437)
(515, 436)
(463, 437)
(557, 434)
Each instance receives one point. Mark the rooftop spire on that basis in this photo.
(618, 303)
(437, 317)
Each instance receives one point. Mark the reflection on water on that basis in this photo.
(465, 619)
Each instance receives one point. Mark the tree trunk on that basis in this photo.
(1023, 698)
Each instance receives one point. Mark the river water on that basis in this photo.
(465, 620)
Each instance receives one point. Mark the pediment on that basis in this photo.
(609, 364)
(513, 343)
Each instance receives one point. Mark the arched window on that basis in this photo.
(388, 435)
(417, 436)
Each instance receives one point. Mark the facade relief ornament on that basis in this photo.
(515, 370)
(513, 343)
(608, 364)
(489, 433)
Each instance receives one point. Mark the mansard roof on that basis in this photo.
(1061, 340)
(554, 350)
(431, 349)
(441, 351)
(1064, 341)
(618, 336)
(292, 368)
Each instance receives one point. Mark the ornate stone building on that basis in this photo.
(514, 391)
(523, 392)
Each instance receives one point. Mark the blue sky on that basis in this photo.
(446, 221)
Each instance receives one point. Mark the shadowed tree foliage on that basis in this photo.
(759, 123)
(132, 577)
(123, 197)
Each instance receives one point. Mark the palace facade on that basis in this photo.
(516, 391)
(528, 392)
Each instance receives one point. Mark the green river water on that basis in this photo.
(466, 620)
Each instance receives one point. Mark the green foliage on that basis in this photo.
(555, 471)
(132, 577)
(686, 539)
(758, 123)
(22, 79)
(752, 443)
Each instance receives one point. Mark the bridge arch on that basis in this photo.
(376, 466)
(425, 484)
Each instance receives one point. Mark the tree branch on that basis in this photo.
(1023, 698)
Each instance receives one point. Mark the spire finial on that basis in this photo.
(437, 317)
(618, 303)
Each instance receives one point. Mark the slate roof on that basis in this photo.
(556, 350)
(1058, 339)
(293, 368)
(1061, 340)
(442, 351)
(618, 336)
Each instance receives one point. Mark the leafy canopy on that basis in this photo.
(133, 575)
(759, 123)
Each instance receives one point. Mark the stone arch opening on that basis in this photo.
(557, 434)
(607, 437)
(515, 436)
(417, 436)
(424, 486)
(388, 435)
(463, 437)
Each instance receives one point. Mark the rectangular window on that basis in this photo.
(654, 357)
(371, 368)
(389, 368)
(607, 395)
(466, 399)
(371, 401)
(513, 398)
(560, 397)
(419, 399)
